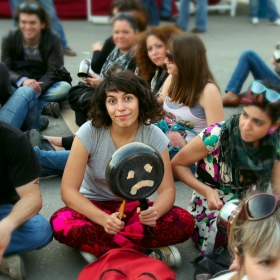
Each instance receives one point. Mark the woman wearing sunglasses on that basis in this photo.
(191, 97)
(125, 32)
(249, 62)
(100, 53)
(256, 252)
(151, 53)
(233, 158)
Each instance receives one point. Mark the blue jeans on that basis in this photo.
(271, 9)
(151, 7)
(22, 109)
(34, 234)
(166, 7)
(50, 9)
(248, 62)
(56, 93)
(200, 14)
(53, 162)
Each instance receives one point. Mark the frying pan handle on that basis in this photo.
(144, 206)
(121, 210)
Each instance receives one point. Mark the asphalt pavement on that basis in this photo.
(225, 39)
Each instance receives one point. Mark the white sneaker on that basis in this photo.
(276, 22)
(88, 257)
(255, 20)
(170, 255)
(12, 265)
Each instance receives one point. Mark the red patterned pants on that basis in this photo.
(76, 230)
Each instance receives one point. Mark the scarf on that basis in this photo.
(243, 164)
(116, 58)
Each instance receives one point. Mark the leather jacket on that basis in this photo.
(51, 70)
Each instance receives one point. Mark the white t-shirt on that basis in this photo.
(100, 147)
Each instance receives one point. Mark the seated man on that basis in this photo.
(20, 108)
(34, 56)
(22, 229)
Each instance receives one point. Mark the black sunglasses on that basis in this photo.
(259, 206)
(125, 15)
(30, 6)
(170, 58)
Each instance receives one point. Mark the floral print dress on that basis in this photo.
(206, 237)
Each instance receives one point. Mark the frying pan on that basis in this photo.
(134, 172)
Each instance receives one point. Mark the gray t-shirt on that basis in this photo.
(100, 147)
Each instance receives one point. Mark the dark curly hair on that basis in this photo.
(150, 109)
(162, 32)
(33, 8)
(272, 109)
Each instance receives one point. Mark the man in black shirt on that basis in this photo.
(22, 229)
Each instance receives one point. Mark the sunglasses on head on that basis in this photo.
(259, 206)
(170, 58)
(31, 6)
(271, 95)
(125, 15)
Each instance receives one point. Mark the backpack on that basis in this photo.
(126, 264)
(213, 263)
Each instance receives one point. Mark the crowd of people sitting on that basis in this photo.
(149, 84)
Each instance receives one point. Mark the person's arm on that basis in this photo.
(71, 182)
(7, 57)
(277, 65)
(166, 195)
(211, 101)
(165, 88)
(100, 55)
(275, 182)
(94, 81)
(29, 204)
(192, 153)
(54, 61)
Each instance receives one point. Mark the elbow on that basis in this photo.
(38, 206)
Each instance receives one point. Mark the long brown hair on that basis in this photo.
(189, 55)
(162, 32)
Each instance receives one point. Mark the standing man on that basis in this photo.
(22, 229)
(200, 15)
(34, 56)
(55, 22)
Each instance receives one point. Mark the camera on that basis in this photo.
(276, 53)
(84, 69)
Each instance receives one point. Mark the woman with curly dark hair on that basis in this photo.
(151, 53)
(122, 111)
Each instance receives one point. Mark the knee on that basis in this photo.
(40, 231)
(26, 92)
(62, 87)
(247, 55)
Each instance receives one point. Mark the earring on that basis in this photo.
(270, 132)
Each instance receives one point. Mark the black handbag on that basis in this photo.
(79, 97)
(218, 260)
